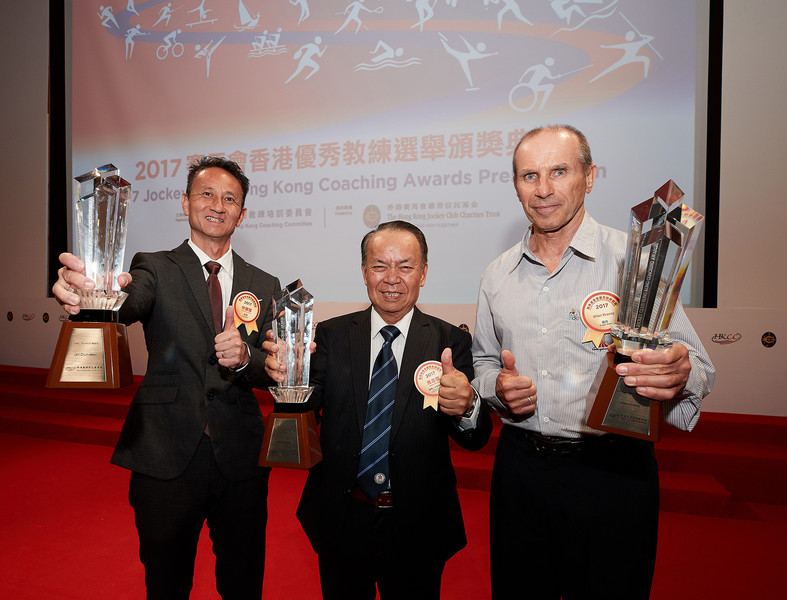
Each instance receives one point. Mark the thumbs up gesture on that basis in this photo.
(456, 394)
(515, 391)
(230, 349)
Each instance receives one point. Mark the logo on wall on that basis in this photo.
(768, 339)
(28, 316)
(371, 216)
(725, 338)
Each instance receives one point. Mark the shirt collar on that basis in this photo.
(225, 260)
(585, 242)
(403, 325)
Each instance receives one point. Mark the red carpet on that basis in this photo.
(68, 531)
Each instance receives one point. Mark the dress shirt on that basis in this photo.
(524, 308)
(225, 273)
(464, 423)
(398, 344)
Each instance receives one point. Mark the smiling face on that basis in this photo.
(394, 273)
(214, 209)
(551, 183)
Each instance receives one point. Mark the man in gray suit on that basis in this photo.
(194, 429)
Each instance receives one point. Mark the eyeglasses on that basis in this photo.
(209, 196)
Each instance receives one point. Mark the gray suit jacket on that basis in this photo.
(184, 387)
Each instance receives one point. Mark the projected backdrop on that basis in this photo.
(345, 113)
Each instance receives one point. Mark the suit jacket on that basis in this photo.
(426, 503)
(184, 387)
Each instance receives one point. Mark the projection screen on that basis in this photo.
(346, 113)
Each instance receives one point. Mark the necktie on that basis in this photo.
(214, 292)
(373, 468)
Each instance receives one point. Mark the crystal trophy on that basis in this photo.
(101, 201)
(92, 350)
(662, 234)
(291, 438)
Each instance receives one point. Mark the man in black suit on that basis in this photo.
(400, 534)
(194, 429)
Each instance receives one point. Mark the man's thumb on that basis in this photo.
(229, 319)
(509, 363)
(447, 361)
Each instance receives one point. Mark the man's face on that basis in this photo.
(214, 206)
(550, 181)
(394, 273)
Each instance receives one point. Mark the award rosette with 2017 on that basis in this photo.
(599, 312)
(246, 309)
(427, 381)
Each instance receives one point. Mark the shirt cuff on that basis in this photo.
(248, 351)
(469, 420)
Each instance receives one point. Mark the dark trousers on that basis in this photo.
(581, 526)
(169, 515)
(371, 557)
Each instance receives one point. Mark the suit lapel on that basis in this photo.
(416, 351)
(241, 277)
(189, 264)
(359, 342)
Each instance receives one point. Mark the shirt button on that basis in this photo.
(546, 419)
(545, 288)
(544, 372)
(543, 330)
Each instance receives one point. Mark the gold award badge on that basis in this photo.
(247, 310)
(599, 312)
(427, 381)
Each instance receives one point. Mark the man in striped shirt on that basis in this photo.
(574, 514)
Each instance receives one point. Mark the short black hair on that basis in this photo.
(208, 162)
(396, 226)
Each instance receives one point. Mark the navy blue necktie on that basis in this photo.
(373, 468)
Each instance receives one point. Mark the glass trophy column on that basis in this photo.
(291, 438)
(662, 236)
(92, 349)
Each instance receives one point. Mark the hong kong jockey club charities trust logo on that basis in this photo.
(725, 338)
(371, 216)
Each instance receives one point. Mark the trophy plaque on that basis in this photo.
(662, 235)
(291, 438)
(92, 349)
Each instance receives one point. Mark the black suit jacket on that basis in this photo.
(426, 503)
(184, 387)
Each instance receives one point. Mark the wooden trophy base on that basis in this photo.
(618, 408)
(91, 355)
(291, 440)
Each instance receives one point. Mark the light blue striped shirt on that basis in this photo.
(535, 314)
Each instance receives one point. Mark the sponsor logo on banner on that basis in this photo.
(768, 339)
(725, 338)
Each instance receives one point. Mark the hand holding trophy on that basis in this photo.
(291, 438)
(662, 236)
(92, 350)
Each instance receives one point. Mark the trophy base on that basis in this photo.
(618, 408)
(291, 440)
(91, 355)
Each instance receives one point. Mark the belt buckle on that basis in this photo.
(384, 500)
